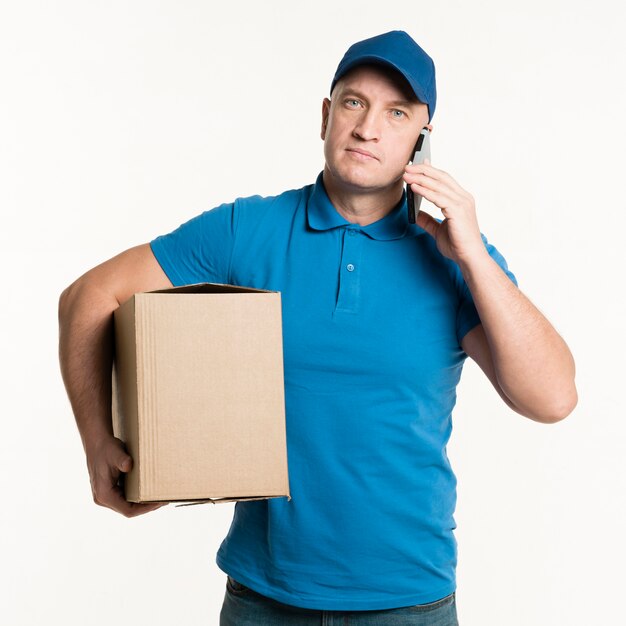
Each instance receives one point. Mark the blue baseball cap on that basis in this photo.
(395, 49)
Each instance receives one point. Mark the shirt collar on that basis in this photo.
(322, 215)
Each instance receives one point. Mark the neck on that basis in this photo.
(361, 207)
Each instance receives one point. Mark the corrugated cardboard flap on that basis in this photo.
(211, 288)
(220, 500)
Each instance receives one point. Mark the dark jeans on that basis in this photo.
(244, 607)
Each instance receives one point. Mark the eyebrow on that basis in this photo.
(347, 91)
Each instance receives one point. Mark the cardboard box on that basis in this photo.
(198, 394)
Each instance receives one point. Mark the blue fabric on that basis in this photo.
(395, 49)
(372, 322)
(245, 607)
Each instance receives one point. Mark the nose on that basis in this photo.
(367, 128)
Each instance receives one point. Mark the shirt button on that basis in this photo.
(352, 232)
(350, 267)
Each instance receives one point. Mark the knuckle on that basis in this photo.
(100, 502)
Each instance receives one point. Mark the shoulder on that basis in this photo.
(258, 215)
(288, 198)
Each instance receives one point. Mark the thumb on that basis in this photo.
(428, 223)
(125, 463)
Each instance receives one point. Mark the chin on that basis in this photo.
(357, 177)
(366, 181)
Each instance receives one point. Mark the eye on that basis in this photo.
(351, 102)
(398, 114)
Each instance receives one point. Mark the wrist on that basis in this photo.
(93, 440)
(474, 258)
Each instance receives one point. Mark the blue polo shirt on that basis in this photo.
(373, 317)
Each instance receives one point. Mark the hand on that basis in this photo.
(106, 461)
(458, 235)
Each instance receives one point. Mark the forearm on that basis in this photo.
(86, 355)
(533, 364)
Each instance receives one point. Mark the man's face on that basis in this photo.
(370, 128)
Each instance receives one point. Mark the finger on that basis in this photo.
(432, 172)
(124, 463)
(425, 181)
(441, 200)
(134, 509)
(114, 499)
(107, 490)
(140, 508)
(428, 223)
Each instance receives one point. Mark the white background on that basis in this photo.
(121, 120)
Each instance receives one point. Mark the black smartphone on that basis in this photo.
(420, 152)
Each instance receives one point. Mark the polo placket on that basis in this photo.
(350, 270)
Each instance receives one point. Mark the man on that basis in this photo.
(378, 318)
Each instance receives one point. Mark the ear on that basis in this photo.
(325, 114)
(430, 128)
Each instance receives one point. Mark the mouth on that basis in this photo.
(361, 154)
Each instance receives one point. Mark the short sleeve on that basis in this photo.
(199, 250)
(467, 315)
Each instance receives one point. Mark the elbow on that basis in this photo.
(560, 411)
(65, 300)
(68, 297)
(567, 408)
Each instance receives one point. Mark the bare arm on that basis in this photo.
(526, 360)
(86, 355)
